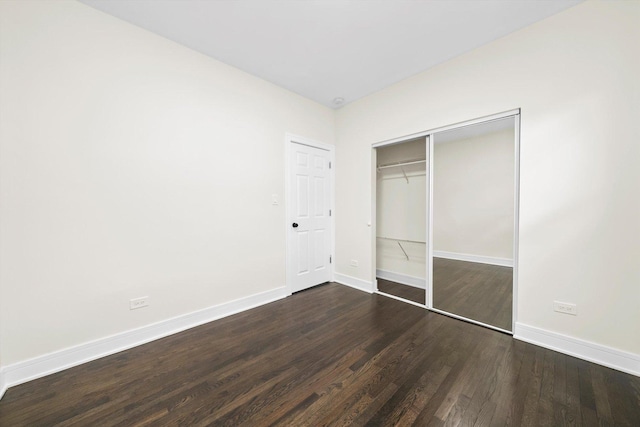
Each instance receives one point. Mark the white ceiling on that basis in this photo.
(324, 49)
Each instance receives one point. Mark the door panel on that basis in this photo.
(302, 192)
(319, 185)
(303, 247)
(320, 250)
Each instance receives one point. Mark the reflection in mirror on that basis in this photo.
(473, 221)
(401, 220)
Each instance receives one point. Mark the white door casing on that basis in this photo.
(309, 229)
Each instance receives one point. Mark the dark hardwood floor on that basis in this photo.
(476, 291)
(331, 355)
(403, 291)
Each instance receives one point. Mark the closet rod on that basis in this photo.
(402, 164)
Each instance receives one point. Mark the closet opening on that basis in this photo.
(401, 226)
(446, 206)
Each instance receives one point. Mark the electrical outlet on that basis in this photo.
(565, 307)
(138, 303)
(354, 263)
(274, 200)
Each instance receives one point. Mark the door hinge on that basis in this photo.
(329, 212)
(329, 259)
(329, 165)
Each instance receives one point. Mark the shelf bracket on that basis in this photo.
(403, 251)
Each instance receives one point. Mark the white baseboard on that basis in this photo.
(503, 262)
(353, 282)
(586, 350)
(3, 383)
(405, 279)
(41, 366)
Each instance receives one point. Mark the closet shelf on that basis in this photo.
(395, 165)
(400, 244)
(401, 240)
(401, 166)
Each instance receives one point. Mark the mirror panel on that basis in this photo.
(473, 221)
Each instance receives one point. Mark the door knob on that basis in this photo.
(294, 225)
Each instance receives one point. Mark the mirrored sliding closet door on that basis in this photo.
(473, 212)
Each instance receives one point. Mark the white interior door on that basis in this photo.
(310, 216)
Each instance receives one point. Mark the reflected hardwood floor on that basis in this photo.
(477, 291)
(331, 355)
(403, 291)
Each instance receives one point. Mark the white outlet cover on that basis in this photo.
(565, 307)
(136, 303)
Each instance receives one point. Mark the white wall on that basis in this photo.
(473, 195)
(3, 385)
(575, 77)
(131, 166)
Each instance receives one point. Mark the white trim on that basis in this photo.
(429, 261)
(353, 282)
(289, 139)
(503, 262)
(516, 221)
(586, 350)
(57, 361)
(417, 135)
(404, 279)
(373, 222)
(466, 319)
(3, 383)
